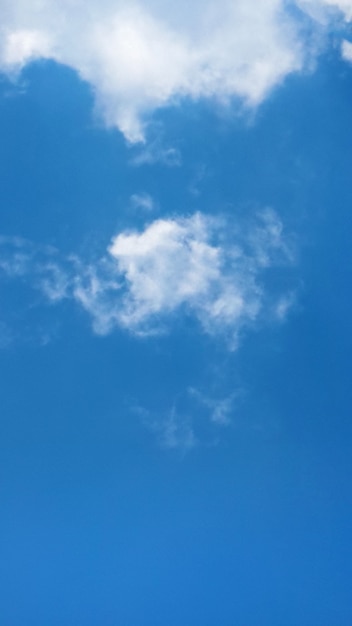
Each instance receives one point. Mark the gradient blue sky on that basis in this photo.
(175, 334)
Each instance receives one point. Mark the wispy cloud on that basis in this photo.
(142, 202)
(143, 55)
(195, 419)
(198, 266)
(220, 409)
(327, 10)
(175, 431)
(21, 259)
(155, 152)
(347, 50)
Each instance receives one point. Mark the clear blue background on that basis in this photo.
(99, 525)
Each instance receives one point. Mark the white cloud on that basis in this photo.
(284, 305)
(196, 266)
(155, 152)
(97, 288)
(41, 267)
(22, 46)
(195, 419)
(142, 201)
(266, 238)
(142, 55)
(178, 264)
(220, 409)
(328, 14)
(175, 432)
(347, 50)
(325, 9)
(344, 6)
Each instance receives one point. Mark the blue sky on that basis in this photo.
(175, 337)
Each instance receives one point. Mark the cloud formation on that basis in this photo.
(194, 419)
(142, 55)
(142, 202)
(347, 50)
(327, 9)
(196, 266)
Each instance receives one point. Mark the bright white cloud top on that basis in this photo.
(140, 56)
(198, 266)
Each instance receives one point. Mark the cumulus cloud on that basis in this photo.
(142, 55)
(195, 266)
(180, 264)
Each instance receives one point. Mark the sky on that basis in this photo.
(175, 336)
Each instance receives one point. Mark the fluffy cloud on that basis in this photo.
(194, 266)
(174, 264)
(142, 55)
(186, 264)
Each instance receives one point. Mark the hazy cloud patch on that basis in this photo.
(143, 201)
